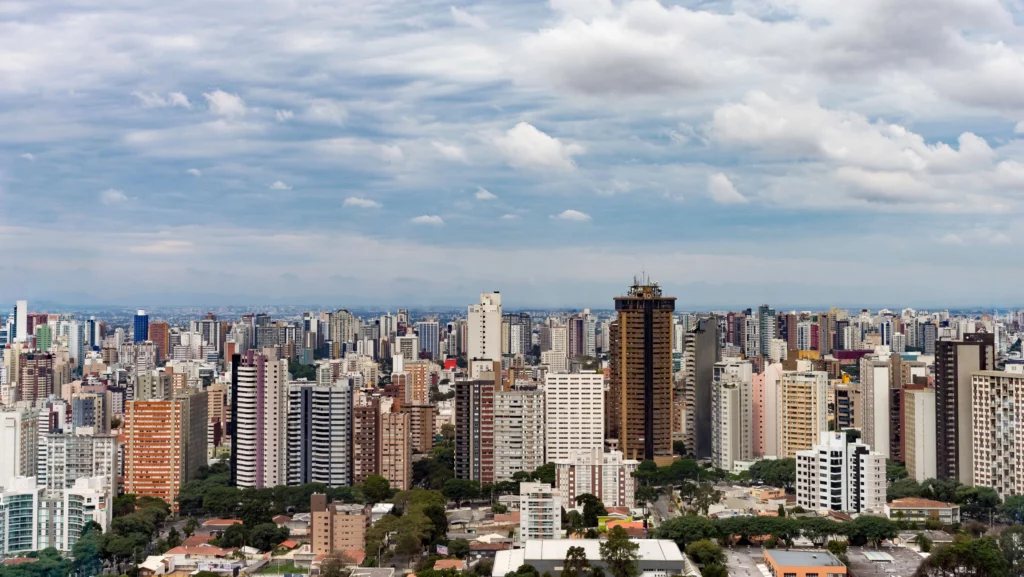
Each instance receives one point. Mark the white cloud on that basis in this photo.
(162, 247)
(28, 156)
(572, 215)
(432, 220)
(392, 153)
(951, 239)
(113, 196)
(154, 100)
(526, 146)
(451, 151)
(467, 19)
(722, 190)
(1019, 129)
(225, 104)
(616, 186)
(509, 217)
(361, 202)
(278, 185)
(283, 115)
(484, 194)
(327, 112)
(194, 172)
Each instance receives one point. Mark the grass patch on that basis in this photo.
(282, 569)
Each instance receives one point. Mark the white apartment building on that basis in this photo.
(919, 433)
(839, 476)
(874, 419)
(261, 423)
(540, 512)
(19, 430)
(32, 518)
(320, 433)
(484, 330)
(607, 476)
(574, 413)
(998, 415)
(518, 432)
(732, 413)
(65, 458)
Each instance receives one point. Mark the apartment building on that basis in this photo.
(919, 433)
(395, 450)
(574, 413)
(518, 432)
(540, 511)
(803, 414)
(337, 527)
(840, 476)
(955, 363)
(732, 417)
(320, 433)
(606, 475)
(259, 419)
(998, 419)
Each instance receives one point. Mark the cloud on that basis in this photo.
(467, 19)
(484, 194)
(572, 215)
(28, 156)
(283, 115)
(162, 247)
(722, 190)
(278, 185)
(325, 111)
(360, 202)
(450, 151)
(1019, 129)
(392, 153)
(951, 239)
(194, 172)
(113, 196)
(616, 186)
(432, 220)
(526, 146)
(154, 100)
(509, 217)
(225, 104)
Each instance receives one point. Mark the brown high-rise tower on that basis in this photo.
(640, 392)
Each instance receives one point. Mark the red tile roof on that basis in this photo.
(915, 503)
(19, 560)
(222, 522)
(195, 540)
(456, 564)
(205, 550)
(289, 544)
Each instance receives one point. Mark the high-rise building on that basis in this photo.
(840, 476)
(19, 435)
(766, 324)
(919, 433)
(540, 511)
(574, 413)
(421, 426)
(160, 335)
(365, 439)
(337, 527)
(35, 381)
(93, 410)
(606, 476)
(65, 458)
(141, 326)
(20, 332)
(803, 414)
(165, 444)
(875, 424)
(518, 432)
(429, 333)
(998, 421)
(699, 357)
(320, 433)
(44, 338)
(259, 418)
(640, 393)
(395, 450)
(484, 329)
(955, 362)
(731, 413)
(474, 424)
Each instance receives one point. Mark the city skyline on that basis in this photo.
(353, 150)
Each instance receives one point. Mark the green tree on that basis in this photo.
(576, 563)
(544, 474)
(837, 548)
(460, 490)
(1011, 541)
(376, 489)
(923, 542)
(266, 536)
(173, 538)
(334, 566)
(1012, 509)
(894, 472)
(190, 526)
(706, 552)
(868, 529)
(715, 571)
(819, 530)
(499, 509)
(686, 530)
(620, 554)
(574, 524)
(646, 495)
(902, 489)
(458, 548)
(704, 496)
(407, 545)
(782, 510)
(592, 509)
(966, 557)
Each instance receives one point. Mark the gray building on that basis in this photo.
(700, 355)
(320, 433)
(657, 556)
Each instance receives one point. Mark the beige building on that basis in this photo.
(803, 410)
(919, 433)
(518, 432)
(337, 527)
(421, 426)
(998, 461)
(395, 450)
(574, 413)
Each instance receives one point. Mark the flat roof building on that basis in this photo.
(803, 563)
(657, 556)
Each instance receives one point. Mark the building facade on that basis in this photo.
(998, 419)
(518, 432)
(919, 434)
(540, 512)
(803, 410)
(574, 413)
(732, 417)
(840, 476)
(259, 419)
(955, 362)
(320, 433)
(607, 476)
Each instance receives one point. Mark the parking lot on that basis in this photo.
(905, 562)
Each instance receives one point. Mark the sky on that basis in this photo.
(804, 152)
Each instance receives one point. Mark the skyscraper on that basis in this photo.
(141, 326)
(731, 413)
(429, 333)
(320, 433)
(20, 322)
(575, 416)
(484, 327)
(700, 354)
(640, 394)
(259, 408)
(160, 334)
(803, 414)
(766, 321)
(474, 423)
(955, 361)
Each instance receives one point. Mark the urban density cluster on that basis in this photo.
(603, 437)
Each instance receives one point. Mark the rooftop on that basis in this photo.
(916, 503)
(802, 558)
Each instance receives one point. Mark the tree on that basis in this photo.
(1012, 509)
(679, 448)
(459, 490)
(646, 495)
(902, 489)
(190, 526)
(334, 566)
(593, 508)
(376, 489)
(966, 557)
(715, 571)
(407, 545)
(837, 548)
(775, 472)
(706, 552)
(574, 524)
(923, 542)
(458, 548)
(620, 554)
(894, 472)
(686, 530)
(704, 496)
(868, 529)
(499, 509)
(1011, 541)
(173, 538)
(782, 510)
(266, 536)
(576, 563)
(544, 474)
(234, 536)
(819, 530)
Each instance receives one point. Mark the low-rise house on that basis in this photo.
(914, 510)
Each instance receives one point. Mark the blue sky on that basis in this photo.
(377, 152)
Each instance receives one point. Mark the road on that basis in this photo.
(664, 509)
